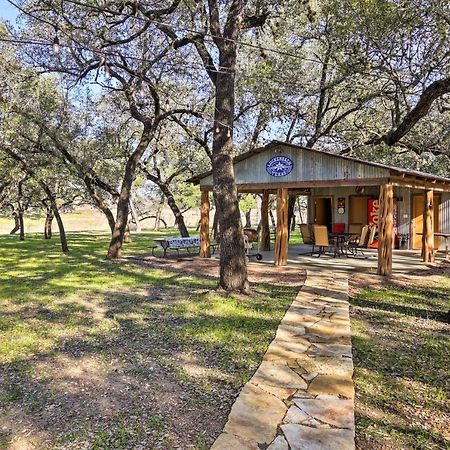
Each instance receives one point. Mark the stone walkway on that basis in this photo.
(301, 396)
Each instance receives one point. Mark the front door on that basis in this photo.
(323, 211)
(417, 223)
(357, 212)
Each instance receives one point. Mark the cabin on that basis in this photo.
(410, 208)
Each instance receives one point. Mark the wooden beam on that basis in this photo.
(386, 229)
(265, 232)
(414, 183)
(428, 227)
(205, 250)
(282, 238)
(259, 187)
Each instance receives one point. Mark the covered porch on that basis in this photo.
(403, 202)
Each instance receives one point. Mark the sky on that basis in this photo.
(7, 11)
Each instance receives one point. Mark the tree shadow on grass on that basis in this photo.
(165, 371)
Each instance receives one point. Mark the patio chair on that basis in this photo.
(306, 233)
(372, 232)
(355, 245)
(321, 239)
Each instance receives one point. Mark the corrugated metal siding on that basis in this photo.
(444, 212)
(308, 166)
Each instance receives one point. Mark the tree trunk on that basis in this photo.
(21, 227)
(265, 231)
(16, 224)
(158, 218)
(233, 265)
(123, 204)
(248, 219)
(127, 236)
(48, 224)
(100, 203)
(62, 231)
(272, 218)
(428, 227)
(291, 218)
(135, 215)
(215, 226)
(179, 219)
(386, 229)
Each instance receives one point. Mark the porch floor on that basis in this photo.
(300, 256)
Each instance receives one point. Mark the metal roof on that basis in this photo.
(395, 170)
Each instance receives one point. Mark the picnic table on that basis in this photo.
(176, 243)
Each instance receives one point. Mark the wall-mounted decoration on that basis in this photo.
(279, 166)
(341, 205)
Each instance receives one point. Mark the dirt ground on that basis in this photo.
(257, 272)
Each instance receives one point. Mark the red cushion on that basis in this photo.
(338, 227)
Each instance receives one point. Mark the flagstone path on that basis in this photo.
(301, 396)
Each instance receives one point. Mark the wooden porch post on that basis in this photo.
(282, 238)
(386, 229)
(205, 250)
(428, 227)
(265, 233)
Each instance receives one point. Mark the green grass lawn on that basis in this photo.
(401, 345)
(110, 355)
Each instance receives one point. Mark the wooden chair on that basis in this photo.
(357, 245)
(321, 239)
(372, 232)
(306, 233)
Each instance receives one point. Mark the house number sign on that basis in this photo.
(279, 166)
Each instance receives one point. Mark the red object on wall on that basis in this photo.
(373, 209)
(338, 227)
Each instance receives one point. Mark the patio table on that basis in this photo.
(341, 239)
(446, 237)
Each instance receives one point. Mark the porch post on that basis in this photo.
(386, 229)
(282, 238)
(205, 250)
(428, 227)
(265, 233)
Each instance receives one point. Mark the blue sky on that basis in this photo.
(7, 11)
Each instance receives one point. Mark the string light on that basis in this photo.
(56, 46)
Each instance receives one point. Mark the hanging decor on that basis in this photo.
(341, 205)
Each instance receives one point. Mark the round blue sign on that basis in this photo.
(279, 166)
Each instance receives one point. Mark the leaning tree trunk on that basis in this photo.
(123, 204)
(62, 231)
(215, 226)
(291, 218)
(54, 207)
(233, 265)
(100, 203)
(135, 215)
(48, 224)
(272, 218)
(21, 226)
(179, 219)
(16, 224)
(248, 219)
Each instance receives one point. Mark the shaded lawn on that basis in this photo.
(401, 345)
(103, 355)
